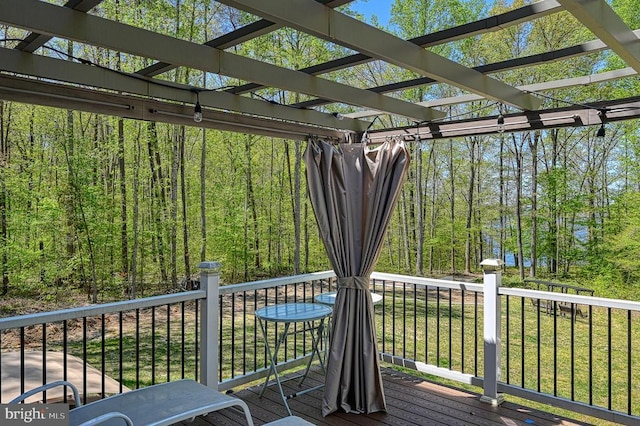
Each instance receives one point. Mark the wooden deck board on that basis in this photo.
(410, 401)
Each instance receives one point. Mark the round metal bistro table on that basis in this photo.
(313, 316)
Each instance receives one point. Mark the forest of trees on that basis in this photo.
(119, 208)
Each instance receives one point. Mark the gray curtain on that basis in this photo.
(353, 189)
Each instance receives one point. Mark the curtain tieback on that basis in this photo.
(358, 283)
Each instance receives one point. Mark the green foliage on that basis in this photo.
(69, 220)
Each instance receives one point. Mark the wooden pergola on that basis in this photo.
(31, 74)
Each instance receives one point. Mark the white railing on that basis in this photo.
(477, 333)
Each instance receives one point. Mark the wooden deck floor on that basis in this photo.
(410, 401)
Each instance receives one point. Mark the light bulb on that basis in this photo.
(197, 113)
(601, 132)
(500, 126)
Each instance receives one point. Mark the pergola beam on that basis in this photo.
(537, 87)
(55, 20)
(233, 38)
(86, 75)
(318, 20)
(498, 22)
(574, 116)
(605, 23)
(509, 64)
(99, 102)
(35, 40)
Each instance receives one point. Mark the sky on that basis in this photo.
(380, 8)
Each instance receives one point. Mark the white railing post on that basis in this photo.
(492, 270)
(209, 282)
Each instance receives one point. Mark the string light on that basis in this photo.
(197, 111)
(500, 127)
(602, 113)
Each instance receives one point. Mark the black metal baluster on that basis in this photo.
(555, 350)
(475, 337)
(244, 332)
(182, 338)
(573, 352)
(384, 315)
(103, 354)
(264, 347)
(609, 358)
(44, 359)
(393, 319)
(438, 326)
(426, 324)
(295, 325)
(404, 320)
(450, 327)
(65, 352)
(120, 349)
(221, 338)
(255, 331)
(137, 348)
(415, 322)
(590, 355)
(84, 360)
(233, 334)
(539, 360)
(462, 343)
(22, 348)
(196, 334)
(153, 345)
(168, 343)
(508, 339)
(629, 362)
(522, 342)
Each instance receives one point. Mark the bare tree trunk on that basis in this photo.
(76, 197)
(519, 158)
(4, 161)
(478, 210)
(296, 207)
(173, 212)
(203, 197)
(123, 203)
(136, 216)
(533, 145)
(469, 220)
(203, 163)
(452, 210)
(69, 203)
(419, 211)
(433, 215)
(157, 198)
(555, 218)
(183, 200)
(270, 231)
(404, 224)
(251, 203)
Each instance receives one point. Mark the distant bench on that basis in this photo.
(550, 307)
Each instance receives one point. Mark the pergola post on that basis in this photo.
(492, 270)
(209, 282)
